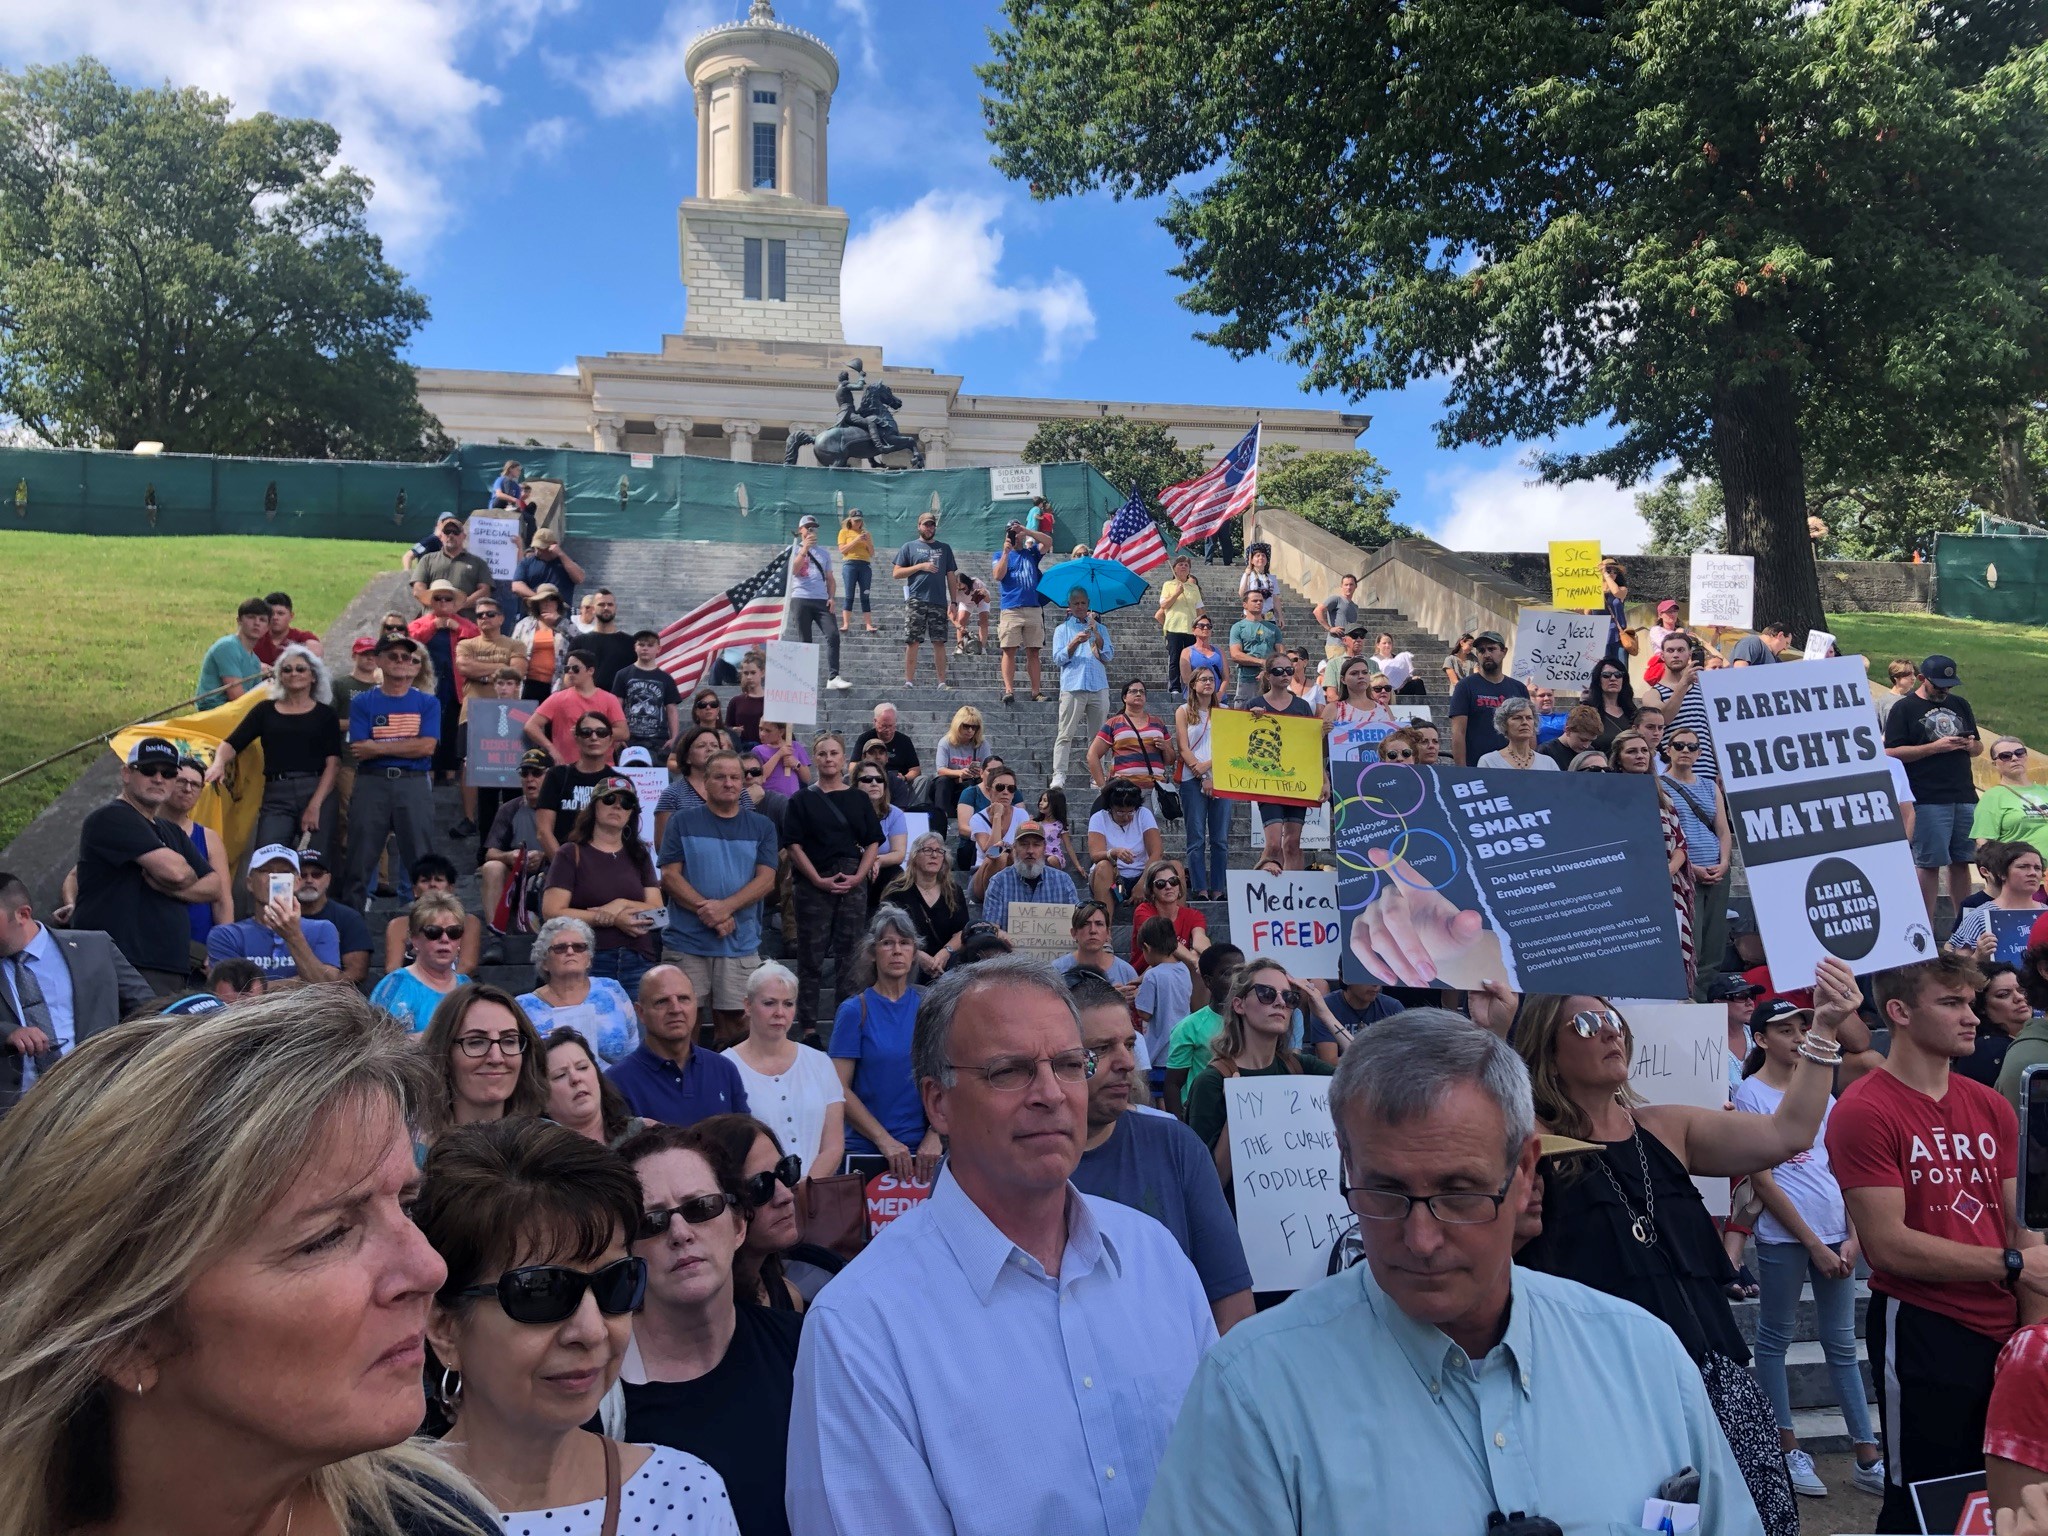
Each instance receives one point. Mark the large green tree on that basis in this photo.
(1723, 229)
(171, 273)
(1344, 491)
(1129, 454)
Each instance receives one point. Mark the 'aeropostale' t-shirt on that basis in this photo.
(1951, 1157)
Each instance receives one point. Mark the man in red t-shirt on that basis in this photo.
(1927, 1161)
(281, 633)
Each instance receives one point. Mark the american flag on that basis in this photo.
(1226, 490)
(749, 613)
(1131, 538)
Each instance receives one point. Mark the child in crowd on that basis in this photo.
(1052, 815)
(971, 613)
(787, 766)
(1164, 990)
(433, 875)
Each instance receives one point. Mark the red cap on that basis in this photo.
(364, 645)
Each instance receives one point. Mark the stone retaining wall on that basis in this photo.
(1846, 586)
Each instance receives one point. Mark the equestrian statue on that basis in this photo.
(866, 428)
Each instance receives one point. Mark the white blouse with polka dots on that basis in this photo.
(673, 1494)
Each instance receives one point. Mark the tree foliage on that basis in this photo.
(1129, 454)
(1738, 232)
(1345, 492)
(170, 273)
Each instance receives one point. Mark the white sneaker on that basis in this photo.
(839, 682)
(1871, 1478)
(1804, 1479)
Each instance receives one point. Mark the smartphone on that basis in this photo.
(2034, 1147)
(283, 888)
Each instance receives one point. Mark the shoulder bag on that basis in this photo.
(1169, 799)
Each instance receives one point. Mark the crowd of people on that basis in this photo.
(438, 1255)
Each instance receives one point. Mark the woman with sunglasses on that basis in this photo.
(1628, 1220)
(706, 1372)
(567, 995)
(1201, 655)
(2012, 810)
(580, 1097)
(301, 736)
(872, 780)
(705, 706)
(1257, 1015)
(960, 759)
(1702, 812)
(1398, 747)
(1207, 816)
(769, 1178)
(1133, 746)
(531, 1326)
(857, 566)
(487, 1062)
(1163, 892)
(1632, 753)
(411, 994)
(994, 828)
(1363, 696)
(603, 875)
(1609, 695)
(792, 1087)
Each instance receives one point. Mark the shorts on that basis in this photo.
(924, 621)
(1022, 628)
(1126, 885)
(1941, 835)
(1273, 810)
(720, 979)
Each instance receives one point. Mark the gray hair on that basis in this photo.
(930, 1040)
(1402, 1067)
(1508, 709)
(889, 920)
(885, 704)
(553, 929)
(767, 971)
(323, 681)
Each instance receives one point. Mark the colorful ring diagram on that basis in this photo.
(1391, 792)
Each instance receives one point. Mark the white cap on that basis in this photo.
(635, 757)
(274, 853)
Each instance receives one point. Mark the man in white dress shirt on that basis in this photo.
(1008, 1358)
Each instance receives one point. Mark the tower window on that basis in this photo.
(764, 98)
(751, 280)
(777, 269)
(764, 155)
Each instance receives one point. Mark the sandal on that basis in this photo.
(1743, 1287)
(1010, 698)
(1038, 698)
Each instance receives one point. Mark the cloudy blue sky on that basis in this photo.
(529, 155)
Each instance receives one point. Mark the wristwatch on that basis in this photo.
(2015, 1264)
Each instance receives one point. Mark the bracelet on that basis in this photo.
(1821, 1058)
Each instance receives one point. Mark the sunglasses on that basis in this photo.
(297, 666)
(1382, 688)
(479, 1046)
(158, 771)
(394, 629)
(2016, 755)
(1590, 1023)
(590, 733)
(1683, 746)
(1166, 880)
(533, 773)
(1280, 672)
(754, 773)
(436, 931)
(867, 778)
(487, 613)
(616, 800)
(572, 947)
(551, 1293)
(759, 1188)
(1266, 993)
(1398, 755)
(696, 1210)
(706, 704)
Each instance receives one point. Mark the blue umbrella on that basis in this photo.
(1109, 586)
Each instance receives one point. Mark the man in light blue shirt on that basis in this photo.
(231, 664)
(1437, 1383)
(1007, 1359)
(1079, 648)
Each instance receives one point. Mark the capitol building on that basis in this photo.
(761, 347)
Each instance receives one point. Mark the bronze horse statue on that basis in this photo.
(850, 439)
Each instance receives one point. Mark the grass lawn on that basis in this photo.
(2003, 667)
(109, 629)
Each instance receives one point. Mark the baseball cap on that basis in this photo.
(443, 584)
(1776, 1011)
(153, 752)
(1489, 637)
(403, 643)
(274, 853)
(364, 645)
(615, 784)
(1669, 605)
(807, 521)
(192, 1004)
(313, 858)
(1940, 671)
(1358, 632)
(1028, 829)
(450, 521)
(635, 757)
(1724, 989)
(536, 757)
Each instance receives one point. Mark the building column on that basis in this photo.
(740, 439)
(703, 94)
(820, 191)
(933, 440)
(785, 141)
(742, 131)
(605, 428)
(675, 433)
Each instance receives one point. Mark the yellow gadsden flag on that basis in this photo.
(1266, 757)
(230, 808)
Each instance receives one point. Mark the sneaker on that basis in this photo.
(1799, 1466)
(950, 687)
(463, 828)
(1869, 1479)
(839, 682)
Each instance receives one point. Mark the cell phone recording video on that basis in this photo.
(282, 888)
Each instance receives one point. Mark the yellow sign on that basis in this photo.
(231, 814)
(1266, 757)
(1575, 574)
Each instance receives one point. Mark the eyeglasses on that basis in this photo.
(696, 1210)
(479, 1046)
(436, 931)
(159, 771)
(591, 732)
(551, 1293)
(570, 947)
(1266, 993)
(2017, 754)
(1013, 1074)
(759, 1188)
(1590, 1023)
(1456, 1209)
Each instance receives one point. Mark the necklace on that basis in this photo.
(1642, 1228)
(1519, 759)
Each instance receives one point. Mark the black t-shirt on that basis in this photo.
(1474, 700)
(291, 743)
(1940, 778)
(153, 930)
(935, 923)
(614, 651)
(830, 836)
(349, 927)
(565, 791)
(735, 1416)
(902, 750)
(645, 695)
(1558, 752)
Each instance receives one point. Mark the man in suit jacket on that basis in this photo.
(58, 988)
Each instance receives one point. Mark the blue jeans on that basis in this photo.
(1208, 831)
(625, 966)
(1782, 1268)
(860, 576)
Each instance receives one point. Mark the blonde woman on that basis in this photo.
(412, 993)
(302, 736)
(1208, 816)
(960, 758)
(857, 565)
(221, 1323)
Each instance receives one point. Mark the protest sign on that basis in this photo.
(496, 738)
(1814, 811)
(1818, 643)
(915, 825)
(1290, 917)
(2009, 931)
(1723, 592)
(495, 540)
(791, 687)
(649, 785)
(1958, 1503)
(1015, 482)
(1041, 928)
(1283, 1169)
(889, 1197)
(1575, 574)
(1315, 826)
(1266, 757)
(1681, 1057)
(1551, 882)
(1358, 743)
(1557, 650)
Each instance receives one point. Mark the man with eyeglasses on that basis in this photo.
(1010, 1354)
(316, 882)
(392, 731)
(553, 723)
(137, 870)
(288, 947)
(667, 1077)
(1477, 1375)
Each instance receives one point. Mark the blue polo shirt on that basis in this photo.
(707, 1085)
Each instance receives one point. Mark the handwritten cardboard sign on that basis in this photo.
(1284, 1174)
(649, 784)
(1575, 574)
(791, 687)
(1289, 917)
(1041, 928)
(1266, 757)
(1818, 643)
(1681, 1057)
(495, 540)
(1557, 650)
(1723, 591)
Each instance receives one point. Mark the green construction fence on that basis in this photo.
(2004, 580)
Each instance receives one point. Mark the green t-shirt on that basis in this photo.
(1188, 1046)
(1256, 637)
(227, 660)
(1207, 1112)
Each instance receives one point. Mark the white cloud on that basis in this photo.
(861, 14)
(925, 275)
(569, 369)
(545, 137)
(386, 73)
(645, 75)
(1507, 508)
